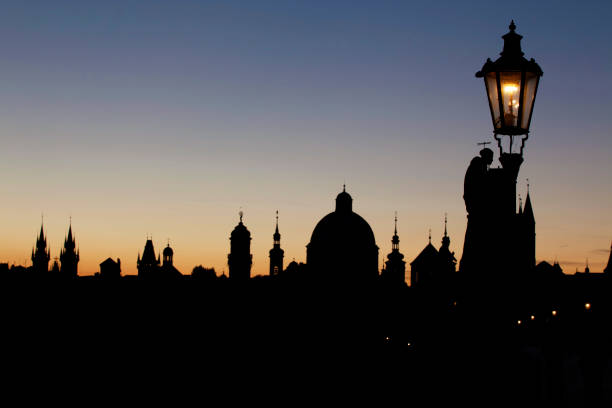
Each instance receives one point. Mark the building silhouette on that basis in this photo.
(167, 268)
(434, 266)
(69, 256)
(342, 246)
(148, 265)
(41, 254)
(239, 260)
(276, 253)
(110, 269)
(395, 266)
(426, 267)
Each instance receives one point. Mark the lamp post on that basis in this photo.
(511, 82)
(496, 236)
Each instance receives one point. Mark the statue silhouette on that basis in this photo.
(478, 193)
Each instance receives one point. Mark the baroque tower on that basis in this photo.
(276, 253)
(240, 259)
(395, 266)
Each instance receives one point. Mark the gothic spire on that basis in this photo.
(528, 209)
(276, 235)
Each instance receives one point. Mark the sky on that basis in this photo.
(166, 118)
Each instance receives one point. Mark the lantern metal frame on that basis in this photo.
(511, 63)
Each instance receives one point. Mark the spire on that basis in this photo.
(445, 222)
(277, 221)
(430, 236)
(586, 268)
(445, 238)
(276, 235)
(528, 210)
(241, 214)
(395, 223)
(395, 240)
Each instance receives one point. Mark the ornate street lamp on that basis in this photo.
(511, 82)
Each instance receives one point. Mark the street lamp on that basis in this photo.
(511, 82)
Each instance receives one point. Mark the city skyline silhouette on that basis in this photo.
(307, 199)
(155, 120)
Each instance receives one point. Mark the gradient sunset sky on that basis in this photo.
(167, 117)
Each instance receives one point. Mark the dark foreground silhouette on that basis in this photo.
(313, 339)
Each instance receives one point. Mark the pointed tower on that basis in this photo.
(69, 255)
(448, 262)
(40, 254)
(608, 268)
(276, 253)
(147, 265)
(528, 234)
(395, 266)
(240, 259)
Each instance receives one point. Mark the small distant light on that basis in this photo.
(519, 322)
(532, 317)
(387, 338)
(455, 303)
(587, 306)
(554, 312)
(408, 344)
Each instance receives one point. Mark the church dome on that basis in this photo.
(338, 227)
(168, 251)
(343, 243)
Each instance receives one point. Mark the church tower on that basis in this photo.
(40, 254)
(395, 266)
(529, 234)
(448, 262)
(69, 256)
(240, 259)
(276, 253)
(168, 255)
(147, 266)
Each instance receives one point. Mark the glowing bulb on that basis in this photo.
(510, 88)
(532, 317)
(519, 322)
(554, 312)
(587, 306)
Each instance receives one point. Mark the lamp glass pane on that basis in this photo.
(531, 85)
(491, 85)
(511, 91)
